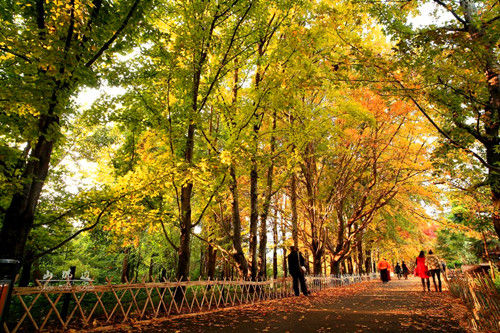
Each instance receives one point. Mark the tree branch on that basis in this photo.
(98, 219)
(96, 7)
(461, 20)
(209, 201)
(15, 54)
(491, 20)
(175, 247)
(64, 214)
(218, 247)
(446, 135)
(40, 16)
(225, 57)
(115, 35)
(69, 35)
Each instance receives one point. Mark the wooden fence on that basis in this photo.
(479, 293)
(64, 306)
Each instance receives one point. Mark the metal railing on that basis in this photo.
(41, 307)
(320, 282)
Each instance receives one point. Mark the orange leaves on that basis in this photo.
(383, 160)
(400, 108)
(350, 133)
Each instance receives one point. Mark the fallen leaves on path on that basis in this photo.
(399, 306)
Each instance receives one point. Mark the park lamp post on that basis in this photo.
(8, 272)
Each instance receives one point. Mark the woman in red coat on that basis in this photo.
(422, 271)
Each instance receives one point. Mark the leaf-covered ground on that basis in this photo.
(399, 306)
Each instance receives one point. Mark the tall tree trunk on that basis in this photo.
(283, 237)
(25, 277)
(368, 261)
(309, 170)
(254, 216)
(337, 259)
(275, 245)
(492, 108)
(373, 261)
(238, 253)
(285, 263)
(37, 272)
(125, 265)
(267, 205)
(27, 264)
(350, 264)
(359, 261)
(18, 219)
(254, 210)
(227, 271)
(342, 247)
(254, 176)
(151, 268)
(307, 261)
(131, 272)
(493, 158)
(293, 199)
(496, 210)
(202, 262)
(293, 206)
(360, 252)
(334, 267)
(317, 260)
(211, 261)
(492, 130)
(138, 263)
(184, 252)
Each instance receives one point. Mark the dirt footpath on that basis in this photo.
(399, 306)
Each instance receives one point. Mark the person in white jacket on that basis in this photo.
(434, 269)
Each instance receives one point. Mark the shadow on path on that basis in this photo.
(399, 306)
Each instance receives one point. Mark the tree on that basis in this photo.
(228, 111)
(50, 49)
(450, 70)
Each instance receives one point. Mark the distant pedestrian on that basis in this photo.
(422, 271)
(405, 270)
(383, 267)
(297, 269)
(434, 269)
(397, 270)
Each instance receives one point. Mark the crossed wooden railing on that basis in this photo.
(42, 307)
(479, 293)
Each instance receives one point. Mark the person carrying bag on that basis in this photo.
(297, 269)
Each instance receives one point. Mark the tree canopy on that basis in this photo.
(219, 133)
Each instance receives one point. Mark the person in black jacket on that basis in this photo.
(397, 270)
(296, 267)
(405, 269)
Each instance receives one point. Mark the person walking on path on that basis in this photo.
(397, 270)
(405, 270)
(297, 269)
(422, 271)
(383, 267)
(434, 269)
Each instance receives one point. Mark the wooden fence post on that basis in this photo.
(67, 297)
